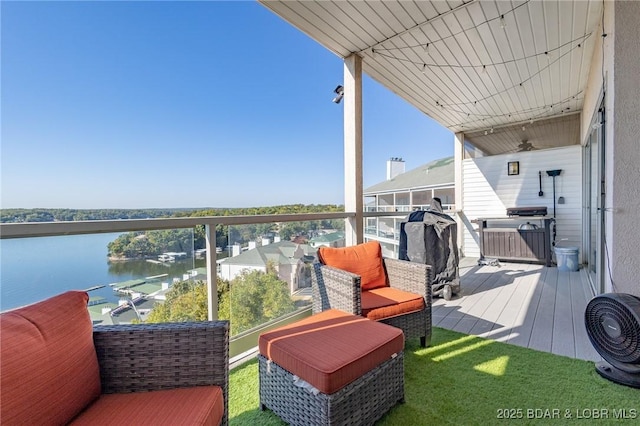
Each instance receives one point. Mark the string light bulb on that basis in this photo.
(424, 68)
(502, 22)
(484, 69)
(426, 48)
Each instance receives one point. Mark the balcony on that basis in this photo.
(523, 305)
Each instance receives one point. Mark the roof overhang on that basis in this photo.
(472, 65)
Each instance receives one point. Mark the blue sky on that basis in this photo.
(183, 104)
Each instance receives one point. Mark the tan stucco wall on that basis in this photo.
(624, 161)
(621, 65)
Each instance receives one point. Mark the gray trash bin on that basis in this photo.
(567, 258)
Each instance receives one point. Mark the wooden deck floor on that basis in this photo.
(522, 304)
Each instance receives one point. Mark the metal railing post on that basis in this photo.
(212, 271)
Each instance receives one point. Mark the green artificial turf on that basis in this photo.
(467, 380)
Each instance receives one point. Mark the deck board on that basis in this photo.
(581, 295)
(521, 334)
(563, 338)
(523, 304)
(511, 316)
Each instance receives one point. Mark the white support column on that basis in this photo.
(458, 156)
(353, 191)
(212, 272)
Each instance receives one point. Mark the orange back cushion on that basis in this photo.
(362, 259)
(49, 366)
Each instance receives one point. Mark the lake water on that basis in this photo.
(32, 269)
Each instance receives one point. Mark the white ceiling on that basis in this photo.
(472, 65)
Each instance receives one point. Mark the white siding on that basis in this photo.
(229, 272)
(488, 191)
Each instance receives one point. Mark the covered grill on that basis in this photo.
(430, 237)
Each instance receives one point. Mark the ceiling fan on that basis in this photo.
(525, 145)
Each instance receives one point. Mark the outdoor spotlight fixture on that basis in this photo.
(339, 91)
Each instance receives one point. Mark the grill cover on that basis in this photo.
(430, 237)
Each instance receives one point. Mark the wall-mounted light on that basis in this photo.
(513, 168)
(339, 91)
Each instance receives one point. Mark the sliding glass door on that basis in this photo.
(594, 197)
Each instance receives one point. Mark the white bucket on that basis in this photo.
(567, 258)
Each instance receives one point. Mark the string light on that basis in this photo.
(530, 113)
(547, 53)
(453, 35)
(489, 130)
(563, 49)
(500, 92)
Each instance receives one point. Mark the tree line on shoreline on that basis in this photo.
(74, 215)
(144, 244)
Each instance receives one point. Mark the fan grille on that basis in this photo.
(613, 327)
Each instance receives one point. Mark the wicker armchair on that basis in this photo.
(334, 288)
(143, 357)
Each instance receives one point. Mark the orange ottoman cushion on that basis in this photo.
(364, 260)
(200, 405)
(49, 366)
(387, 302)
(331, 349)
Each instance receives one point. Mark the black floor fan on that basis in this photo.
(613, 326)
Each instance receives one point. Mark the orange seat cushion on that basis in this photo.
(389, 302)
(49, 366)
(331, 349)
(200, 405)
(364, 260)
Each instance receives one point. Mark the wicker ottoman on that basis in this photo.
(332, 368)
